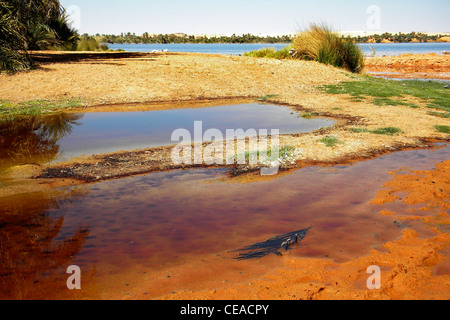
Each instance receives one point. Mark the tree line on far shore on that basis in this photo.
(183, 38)
(146, 38)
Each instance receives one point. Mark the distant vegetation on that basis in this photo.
(397, 37)
(146, 38)
(184, 38)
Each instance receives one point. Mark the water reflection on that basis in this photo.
(31, 255)
(185, 223)
(34, 139)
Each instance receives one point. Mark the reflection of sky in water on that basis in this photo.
(159, 221)
(113, 131)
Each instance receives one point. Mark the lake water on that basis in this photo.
(387, 49)
(62, 136)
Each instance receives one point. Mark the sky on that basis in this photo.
(256, 16)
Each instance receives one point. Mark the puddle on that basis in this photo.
(169, 231)
(60, 137)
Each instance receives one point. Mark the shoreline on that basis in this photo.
(141, 81)
(410, 66)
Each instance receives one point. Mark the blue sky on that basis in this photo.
(256, 16)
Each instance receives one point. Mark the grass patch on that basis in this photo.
(10, 111)
(392, 102)
(267, 97)
(330, 141)
(387, 130)
(440, 114)
(309, 115)
(382, 91)
(443, 129)
(270, 53)
(358, 130)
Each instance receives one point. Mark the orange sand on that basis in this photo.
(411, 268)
(411, 66)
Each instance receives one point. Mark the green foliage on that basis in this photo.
(397, 37)
(330, 141)
(260, 53)
(10, 111)
(184, 38)
(267, 97)
(381, 90)
(443, 129)
(247, 38)
(387, 130)
(440, 114)
(309, 115)
(30, 25)
(88, 44)
(321, 44)
(270, 53)
(358, 130)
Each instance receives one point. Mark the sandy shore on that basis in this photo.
(112, 82)
(410, 66)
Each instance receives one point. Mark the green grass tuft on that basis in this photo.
(267, 97)
(440, 114)
(358, 130)
(443, 129)
(330, 141)
(387, 130)
(309, 115)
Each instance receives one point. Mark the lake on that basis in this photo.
(388, 49)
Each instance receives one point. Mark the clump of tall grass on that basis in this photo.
(321, 44)
(90, 44)
(84, 44)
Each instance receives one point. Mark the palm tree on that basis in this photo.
(31, 24)
(13, 56)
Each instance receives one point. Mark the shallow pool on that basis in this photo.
(62, 136)
(176, 230)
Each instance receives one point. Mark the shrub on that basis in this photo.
(89, 44)
(321, 44)
(270, 53)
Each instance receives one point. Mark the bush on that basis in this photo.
(321, 44)
(90, 44)
(270, 53)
